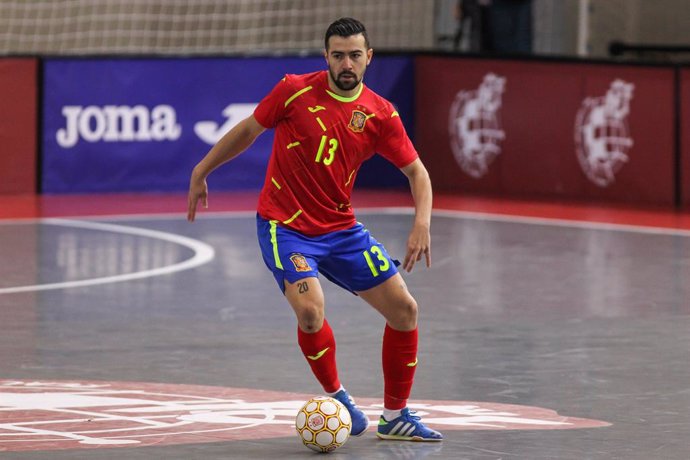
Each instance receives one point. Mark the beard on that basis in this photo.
(345, 85)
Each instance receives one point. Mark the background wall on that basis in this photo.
(113, 125)
(547, 129)
(18, 120)
(260, 26)
(204, 26)
(684, 137)
(536, 94)
(587, 27)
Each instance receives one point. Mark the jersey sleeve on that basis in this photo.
(271, 109)
(394, 143)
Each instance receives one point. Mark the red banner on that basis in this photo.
(685, 137)
(18, 88)
(553, 129)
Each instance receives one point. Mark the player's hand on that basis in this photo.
(418, 245)
(198, 190)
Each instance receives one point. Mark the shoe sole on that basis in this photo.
(392, 437)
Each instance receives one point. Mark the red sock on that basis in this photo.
(319, 349)
(399, 358)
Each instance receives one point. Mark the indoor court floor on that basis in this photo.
(547, 331)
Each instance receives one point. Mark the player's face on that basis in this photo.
(347, 58)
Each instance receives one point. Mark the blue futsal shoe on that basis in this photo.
(360, 422)
(407, 427)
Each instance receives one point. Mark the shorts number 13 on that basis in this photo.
(383, 265)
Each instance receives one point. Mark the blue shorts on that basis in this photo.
(351, 258)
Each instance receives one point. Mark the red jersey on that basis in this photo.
(321, 140)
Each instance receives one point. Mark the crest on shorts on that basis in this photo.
(357, 121)
(300, 263)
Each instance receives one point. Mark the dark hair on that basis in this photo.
(346, 27)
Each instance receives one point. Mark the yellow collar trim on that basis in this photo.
(337, 97)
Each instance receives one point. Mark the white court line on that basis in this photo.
(203, 253)
(486, 216)
(393, 210)
(554, 222)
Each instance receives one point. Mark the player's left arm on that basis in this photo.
(419, 241)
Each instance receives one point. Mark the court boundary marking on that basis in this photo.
(448, 213)
(558, 222)
(204, 253)
(406, 210)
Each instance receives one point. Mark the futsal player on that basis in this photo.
(326, 124)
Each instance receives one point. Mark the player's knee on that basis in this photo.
(310, 317)
(406, 315)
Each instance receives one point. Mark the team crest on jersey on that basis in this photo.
(358, 120)
(300, 263)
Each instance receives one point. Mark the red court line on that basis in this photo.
(32, 206)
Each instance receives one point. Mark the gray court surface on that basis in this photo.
(586, 321)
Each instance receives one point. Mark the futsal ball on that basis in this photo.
(323, 424)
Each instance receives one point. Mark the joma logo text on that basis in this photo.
(118, 123)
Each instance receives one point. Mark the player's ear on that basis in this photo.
(325, 55)
(370, 54)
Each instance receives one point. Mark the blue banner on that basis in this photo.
(114, 125)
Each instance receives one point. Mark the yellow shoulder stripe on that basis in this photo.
(395, 114)
(297, 94)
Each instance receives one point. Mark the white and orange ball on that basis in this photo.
(323, 424)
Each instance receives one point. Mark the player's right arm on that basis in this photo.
(234, 142)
